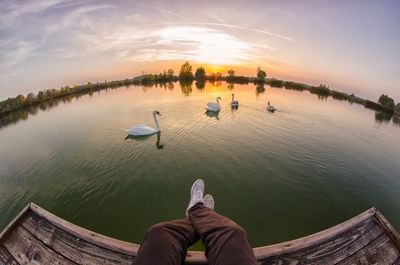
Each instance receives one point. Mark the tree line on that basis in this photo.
(186, 77)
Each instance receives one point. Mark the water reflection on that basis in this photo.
(23, 114)
(260, 89)
(200, 85)
(186, 87)
(212, 114)
(166, 86)
(159, 145)
(383, 116)
(234, 107)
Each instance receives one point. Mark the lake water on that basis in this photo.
(311, 165)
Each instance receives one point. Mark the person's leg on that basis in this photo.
(226, 242)
(166, 243)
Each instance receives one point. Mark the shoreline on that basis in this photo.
(20, 107)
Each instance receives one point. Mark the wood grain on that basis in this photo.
(90, 236)
(69, 246)
(37, 236)
(332, 250)
(379, 251)
(6, 257)
(314, 239)
(26, 249)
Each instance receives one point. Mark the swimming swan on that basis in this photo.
(270, 108)
(212, 106)
(234, 103)
(143, 129)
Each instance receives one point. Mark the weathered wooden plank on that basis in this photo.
(380, 251)
(90, 236)
(41, 232)
(69, 246)
(262, 253)
(6, 257)
(393, 234)
(13, 223)
(26, 249)
(332, 250)
(338, 250)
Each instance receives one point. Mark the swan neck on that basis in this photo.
(156, 122)
(218, 101)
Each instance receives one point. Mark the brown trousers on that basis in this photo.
(167, 242)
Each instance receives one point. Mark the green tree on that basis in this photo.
(30, 98)
(40, 96)
(76, 88)
(261, 75)
(20, 100)
(90, 85)
(200, 73)
(48, 93)
(67, 90)
(186, 72)
(386, 101)
(170, 74)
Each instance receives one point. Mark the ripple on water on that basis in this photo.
(265, 170)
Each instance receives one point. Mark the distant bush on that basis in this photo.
(237, 79)
(373, 105)
(339, 95)
(320, 90)
(294, 86)
(386, 102)
(275, 82)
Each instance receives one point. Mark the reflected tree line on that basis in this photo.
(21, 107)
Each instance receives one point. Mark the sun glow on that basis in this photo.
(204, 45)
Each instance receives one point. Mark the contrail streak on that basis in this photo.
(192, 22)
(222, 25)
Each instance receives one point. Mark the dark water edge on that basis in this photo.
(22, 114)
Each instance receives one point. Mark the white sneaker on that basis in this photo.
(196, 194)
(209, 201)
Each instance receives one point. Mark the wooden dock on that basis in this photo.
(36, 236)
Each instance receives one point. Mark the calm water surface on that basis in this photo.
(310, 165)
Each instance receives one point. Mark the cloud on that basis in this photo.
(20, 47)
(12, 10)
(12, 53)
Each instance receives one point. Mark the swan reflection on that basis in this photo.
(159, 145)
(213, 114)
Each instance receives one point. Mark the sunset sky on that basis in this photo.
(352, 46)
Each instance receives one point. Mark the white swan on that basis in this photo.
(234, 103)
(143, 129)
(212, 106)
(270, 108)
